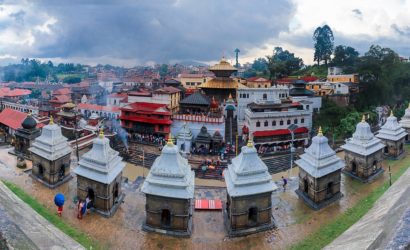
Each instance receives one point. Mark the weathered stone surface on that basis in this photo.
(378, 228)
(23, 228)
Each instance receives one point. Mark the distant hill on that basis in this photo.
(192, 63)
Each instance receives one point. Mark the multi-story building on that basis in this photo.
(117, 99)
(246, 96)
(166, 95)
(192, 81)
(267, 122)
(258, 82)
(335, 75)
(146, 118)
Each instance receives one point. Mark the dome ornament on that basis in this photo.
(51, 120)
(363, 118)
(170, 143)
(250, 143)
(391, 113)
(320, 133)
(101, 133)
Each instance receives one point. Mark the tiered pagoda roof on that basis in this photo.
(223, 70)
(51, 145)
(319, 159)
(405, 120)
(101, 163)
(170, 175)
(248, 174)
(391, 130)
(363, 141)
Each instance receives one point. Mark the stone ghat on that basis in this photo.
(383, 223)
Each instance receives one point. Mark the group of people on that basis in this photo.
(268, 149)
(82, 206)
(148, 138)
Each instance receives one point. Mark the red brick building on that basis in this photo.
(146, 118)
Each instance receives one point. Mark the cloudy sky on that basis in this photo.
(131, 32)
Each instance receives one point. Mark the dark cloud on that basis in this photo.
(357, 13)
(160, 31)
(403, 31)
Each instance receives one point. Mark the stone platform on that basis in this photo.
(365, 180)
(385, 225)
(23, 228)
(317, 206)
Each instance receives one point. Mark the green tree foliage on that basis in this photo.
(72, 79)
(31, 69)
(323, 38)
(35, 94)
(346, 57)
(163, 70)
(283, 63)
(260, 65)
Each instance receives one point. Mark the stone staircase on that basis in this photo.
(228, 129)
(278, 163)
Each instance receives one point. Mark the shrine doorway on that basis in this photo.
(165, 218)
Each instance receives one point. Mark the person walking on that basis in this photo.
(285, 183)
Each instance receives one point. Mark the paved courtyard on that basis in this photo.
(293, 218)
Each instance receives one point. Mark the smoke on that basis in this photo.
(121, 133)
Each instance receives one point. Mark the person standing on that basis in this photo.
(285, 183)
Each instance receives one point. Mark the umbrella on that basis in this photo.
(59, 200)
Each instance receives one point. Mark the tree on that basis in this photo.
(323, 37)
(260, 65)
(163, 70)
(283, 63)
(344, 56)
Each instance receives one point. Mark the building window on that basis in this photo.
(281, 123)
(302, 120)
(258, 124)
(288, 122)
(295, 121)
(265, 96)
(307, 107)
(161, 128)
(247, 95)
(266, 124)
(273, 123)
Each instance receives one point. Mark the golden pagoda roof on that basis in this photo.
(216, 83)
(223, 65)
(68, 105)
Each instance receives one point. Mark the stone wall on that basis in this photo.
(364, 164)
(318, 187)
(239, 208)
(103, 193)
(394, 148)
(180, 212)
(51, 169)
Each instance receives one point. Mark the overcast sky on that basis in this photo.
(129, 33)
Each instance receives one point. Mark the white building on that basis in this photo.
(245, 96)
(268, 122)
(25, 108)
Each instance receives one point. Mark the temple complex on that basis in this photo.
(405, 123)
(99, 177)
(319, 174)
(169, 190)
(393, 136)
(50, 154)
(203, 139)
(363, 154)
(184, 139)
(222, 85)
(249, 194)
(68, 119)
(194, 104)
(25, 136)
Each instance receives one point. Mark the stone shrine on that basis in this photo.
(363, 154)
(184, 139)
(169, 190)
(50, 154)
(99, 177)
(393, 136)
(319, 174)
(25, 136)
(405, 123)
(249, 194)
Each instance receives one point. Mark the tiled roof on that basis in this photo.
(7, 92)
(13, 118)
(168, 90)
(60, 99)
(191, 76)
(257, 79)
(220, 84)
(196, 98)
(98, 107)
(63, 91)
(147, 108)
